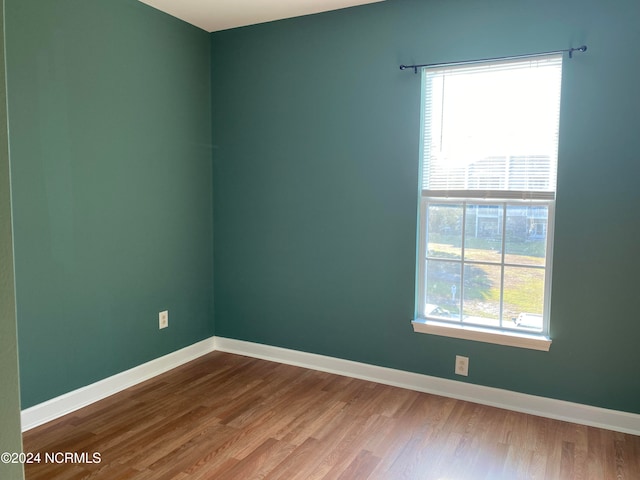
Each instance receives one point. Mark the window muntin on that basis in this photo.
(489, 162)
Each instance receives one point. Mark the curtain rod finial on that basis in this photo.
(404, 67)
(583, 48)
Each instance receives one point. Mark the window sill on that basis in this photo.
(479, 334)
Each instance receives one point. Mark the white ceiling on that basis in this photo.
(214, 15)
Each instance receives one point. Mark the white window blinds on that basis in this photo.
(491, 128)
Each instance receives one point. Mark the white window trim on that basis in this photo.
(479, 334)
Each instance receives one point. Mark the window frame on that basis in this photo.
(458, 328)
(455, 328)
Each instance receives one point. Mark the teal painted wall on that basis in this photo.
(10, 437)
(316, 134)
(315, 146)
(109, 109)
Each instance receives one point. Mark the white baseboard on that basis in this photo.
(545, 407)
(69, 402)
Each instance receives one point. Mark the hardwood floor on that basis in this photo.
(229, 417)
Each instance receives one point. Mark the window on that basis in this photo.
(489, 161)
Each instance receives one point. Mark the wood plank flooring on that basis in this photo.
(228, 417)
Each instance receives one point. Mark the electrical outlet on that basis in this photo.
(462, 365)
(163, 319)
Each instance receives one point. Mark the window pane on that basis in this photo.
(443, 289)
(444, 230)
(482, 294)
(492, 126)
(526, 234)
(483, 233)
(523, 297)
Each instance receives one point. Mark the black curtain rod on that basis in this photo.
(583, 48)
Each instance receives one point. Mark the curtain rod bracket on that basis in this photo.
(583, 48)
(415, 67)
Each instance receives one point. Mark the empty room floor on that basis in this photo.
(226, 416)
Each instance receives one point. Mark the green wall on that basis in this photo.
(10, 438)
(109, 109)
(312, 193)
(316, 141)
